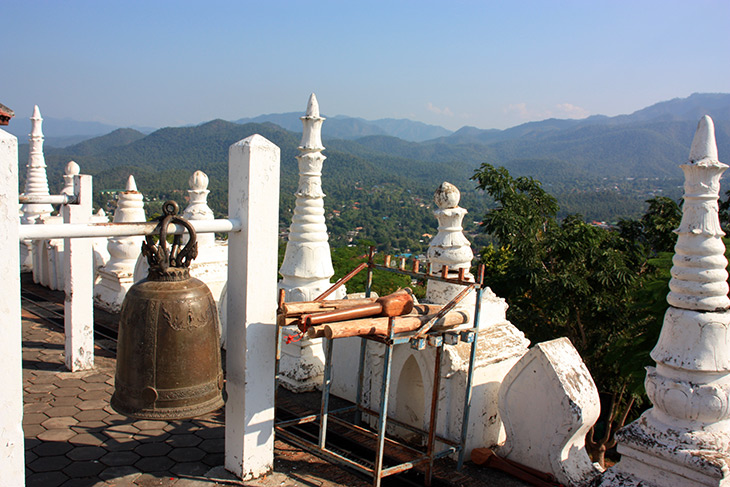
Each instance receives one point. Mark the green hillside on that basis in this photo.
(380, 187)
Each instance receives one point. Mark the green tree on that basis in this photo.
(564, 278)
(659, 222)
(345, 259)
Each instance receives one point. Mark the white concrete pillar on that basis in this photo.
(48, 260)
(79, 282)
(253, 198)
(12, 454)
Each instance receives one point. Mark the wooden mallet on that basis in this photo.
(396, 304)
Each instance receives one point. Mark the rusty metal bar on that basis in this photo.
(371, 266)
(326, 384)
(433, 417)
(342, 281)
(313, 417)
(470, 378)
(370, 434)
(427, 326)
(383, 417)
(426, 275)
(279, 335)
(326, 454)
(414, 429)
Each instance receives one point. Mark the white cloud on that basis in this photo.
(441, 111)
(572, 111)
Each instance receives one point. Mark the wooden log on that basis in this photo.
(316, 331)
(426, 309)
(395, 304)
(379, 325)
(418, 310)
(299, 308)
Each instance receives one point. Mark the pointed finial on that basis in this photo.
(704, 147)
(198, 181)
(312, 106)
(131, 185)
(447, 196)
(72, 168)
(101, 212)
(36, 121)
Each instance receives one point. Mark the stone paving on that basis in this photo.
(74, 439)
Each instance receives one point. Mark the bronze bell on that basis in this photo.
(168, 353)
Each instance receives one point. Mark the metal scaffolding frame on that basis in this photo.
(419, 339)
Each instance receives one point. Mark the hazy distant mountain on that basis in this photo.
(98, 145)
(344, 127)
(62, 132)
(574, 158)
(690, 109)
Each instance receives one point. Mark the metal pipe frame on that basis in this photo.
(469, 381)
(48, 199)
(90, 230)
(383, 417)
(428, 458)
(326, 385)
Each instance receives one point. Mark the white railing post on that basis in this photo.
(79, 282)
(253, 198)
(12, 455)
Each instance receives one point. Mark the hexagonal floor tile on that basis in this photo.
(119, 458)
(86, 453)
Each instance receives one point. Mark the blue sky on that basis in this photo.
(489, 64)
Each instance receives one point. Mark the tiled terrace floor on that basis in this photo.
(74, 439)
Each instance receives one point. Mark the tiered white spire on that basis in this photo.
(307, 266)
(123, 251)
(36, 180)
(117, 275)
(449, 247)
(684, 439)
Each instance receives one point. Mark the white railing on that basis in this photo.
(253, 188)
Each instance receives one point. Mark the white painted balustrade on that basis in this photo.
(253, 204)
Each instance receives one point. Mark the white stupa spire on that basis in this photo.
(449, 248)
(684, 439)
(307, 266)
(117, 275)
(36, 180)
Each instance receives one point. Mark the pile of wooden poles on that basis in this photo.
(367, 316)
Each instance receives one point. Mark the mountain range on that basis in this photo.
(602, 167)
